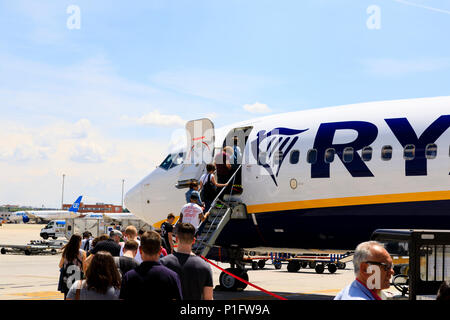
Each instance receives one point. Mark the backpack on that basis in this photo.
(209, 190)
(69, 272)
(118, 263)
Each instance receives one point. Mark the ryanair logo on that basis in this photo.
(271, 148)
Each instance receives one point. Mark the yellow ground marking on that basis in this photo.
(39, 295)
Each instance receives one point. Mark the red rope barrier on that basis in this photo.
(244, 281)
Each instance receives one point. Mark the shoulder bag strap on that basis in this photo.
(77, 294)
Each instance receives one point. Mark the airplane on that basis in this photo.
(109, 216)
(46, 215)
(319, 180)
(120, 216)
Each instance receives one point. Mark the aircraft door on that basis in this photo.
(200, 139)
(236, 139)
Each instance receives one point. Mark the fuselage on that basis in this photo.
(327, 178)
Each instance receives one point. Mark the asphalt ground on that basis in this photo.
(35, 277)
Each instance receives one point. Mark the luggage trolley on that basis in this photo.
(318, 262)
(421, 260)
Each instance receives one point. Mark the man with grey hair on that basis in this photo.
(373, 271)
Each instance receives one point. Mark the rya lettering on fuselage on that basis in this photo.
(278, 142)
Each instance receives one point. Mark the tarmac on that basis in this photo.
(35, 277)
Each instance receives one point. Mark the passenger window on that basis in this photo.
(329, 155)
(348, 154)
(263, 158)
(386, 153)
(311, 157)
(277, 157)
(409, 152)
(295, 156)
(431, 151)
(367, 153)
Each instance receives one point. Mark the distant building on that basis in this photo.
(97, 208)
(12, 208)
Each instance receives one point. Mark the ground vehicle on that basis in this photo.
(428, 262)
(34, 247)
(98, 226)
(95, 226)
(54, 229)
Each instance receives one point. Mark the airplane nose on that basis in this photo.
(133, 200)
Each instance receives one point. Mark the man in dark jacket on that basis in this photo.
(151, 280)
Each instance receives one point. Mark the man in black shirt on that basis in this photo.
(167, 232)
(127, 262)
(110, 245)
(195, 274)
(150, 280)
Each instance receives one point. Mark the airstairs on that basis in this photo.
(220, 213)
(211, 228)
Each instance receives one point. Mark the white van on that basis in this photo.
(54, 229)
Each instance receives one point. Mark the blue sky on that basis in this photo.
(100, 103)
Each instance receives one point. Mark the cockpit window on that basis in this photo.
(172, 160)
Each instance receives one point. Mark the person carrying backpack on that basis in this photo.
(127, 261)
(72, 265)
(208, 186)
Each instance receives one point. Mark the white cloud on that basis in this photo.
(88, 152)
(157, 119)
(257, 108)
(33, 159)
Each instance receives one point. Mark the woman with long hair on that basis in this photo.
(72, 263)
(102, 280)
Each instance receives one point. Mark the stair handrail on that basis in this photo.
(233, 177)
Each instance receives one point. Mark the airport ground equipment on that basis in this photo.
(34, 247)
(317, 261)
(54, 229)
(98, 226)
(257, 260)
(95, 226)
(428, 260)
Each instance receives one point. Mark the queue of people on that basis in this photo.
(125, 266)
(111, 270)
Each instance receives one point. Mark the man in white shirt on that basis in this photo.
(192, 213)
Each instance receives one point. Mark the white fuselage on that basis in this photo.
(294, 183)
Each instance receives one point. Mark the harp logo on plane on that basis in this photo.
(271, 148)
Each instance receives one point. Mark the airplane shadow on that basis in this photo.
(253, 294)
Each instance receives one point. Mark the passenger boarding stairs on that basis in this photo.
(220, 213)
